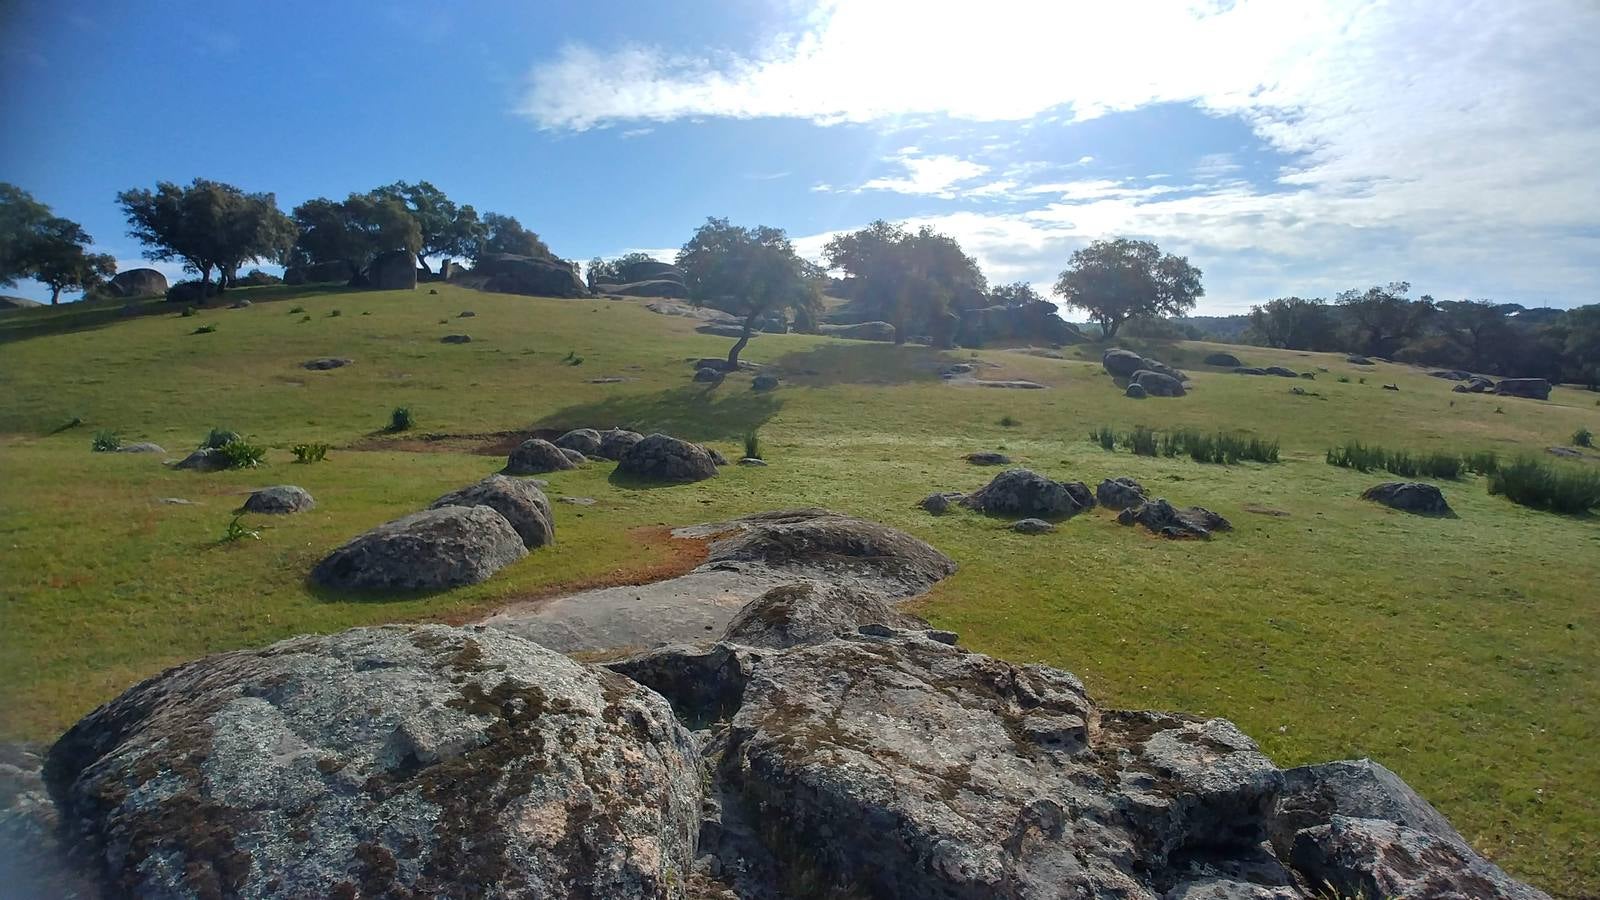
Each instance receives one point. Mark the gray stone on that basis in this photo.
(1120, 493)
(466, 314)
(141, 447)
(1225, 360)
(615, 442)
(1169, 521)
(939, 504)
(456, 339)
(1157, 384)
(660, 457)
(1250, 370)
(535, 276)
(1409, 496)
(1281, 372)
(1136, 391)
(578, 501)
(429, 550)
(860, 331)
(576, 458)
(1358, 788)
(206, 459)
(809, 613)
(518, 500)
(535, 456)
(1122, 363)
(281, 499)
(1356, 359)
(323, 363)
(1032, 526)
(395, 270)
(413, 760)
(583, 440)
(716, 455)
(239, 304)
(988, 458)
(836, 548)
(708, 375)
(1026, 494)
(764, 382)
(1373, 858)
(1530, 388)
(752, 461)
(138, 283)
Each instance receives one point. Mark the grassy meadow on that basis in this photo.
(1460, 652)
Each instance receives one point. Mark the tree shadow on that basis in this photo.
(720, 412)
(862, 362)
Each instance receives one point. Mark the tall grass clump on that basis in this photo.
(1362, 458)
(1141, 440)
(106, 442)
(1105, 437)
(752, 444)
(1220, 448)
(1483, 462)
(1542, 486)
(400, 419)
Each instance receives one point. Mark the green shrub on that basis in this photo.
(1583, 437)
(1220, 448)
(309, 453)
(296, 310)
(575, 361)
(334, 313)
(1355, 455)
(1141, 440)
(752, 445)
(1484, 462)
(1105, 437)
(106, 442)
(400, 419)
(304, 319)
(1543, 486)
(189, 312)
(220, 437)
(236, 531)
(243, 455)
(207, 328)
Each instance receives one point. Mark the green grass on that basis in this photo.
(1407, 464)
(1459, 652)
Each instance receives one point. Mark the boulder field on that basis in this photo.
(822, 744)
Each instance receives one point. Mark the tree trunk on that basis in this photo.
(733, 355)
(55, 294)
(423, 264)
(1108, 328)
(205, 274)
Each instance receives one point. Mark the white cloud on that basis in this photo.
(931, 175)
(632, 133)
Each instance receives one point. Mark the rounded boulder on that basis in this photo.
(279, 500)
(536, 456)
(520, 502)
(583, 440)
(661, 457)
(429, 550)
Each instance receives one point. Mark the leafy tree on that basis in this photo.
(751, 272)
(58, 258)
(21, 219)
(1116, 280)
(504, 234)
(602, 271)
(1580, 345)
(1481, 328)
(444, 229)
(1383, 319)
(1294, 324)
(354, 230)
(209, 225)
(1017, 293)
(911, 279)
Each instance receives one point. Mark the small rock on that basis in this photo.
(764, 382)
(456, 339)
(1020, 492)
(206, 459)
(1120, 493)
(988, 458)
(578, 501)
(939, 504)
(1409, 496)
(1032, 526)
(1168, 521)
(752, 461)
(176, 501)
(281, 499)
(708, 375)
(239, 304)
(141, 447)
(1136, 391)
(326, 362)
(466, 314)
(535, 456)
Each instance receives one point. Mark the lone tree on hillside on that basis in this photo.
(913, 279)
(444, 229)
(504, 234)
(47, 248)
(353, 230)
(1121, 279)
(209, 225)
(750, 272)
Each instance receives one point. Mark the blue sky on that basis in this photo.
(1286, 148)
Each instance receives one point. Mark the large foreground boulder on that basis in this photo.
(536, 456)
(535, 276)
(1121, 363)
(1169, 521)
(860, 331)
(138, 283)
(661, 457)
(840, 550)
(1531, 388)
(1409, 496)
(403, 761)
(520, 501)
(395, 270)
(1026, 494)
(429, 550)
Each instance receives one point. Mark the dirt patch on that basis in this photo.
(1265, 511)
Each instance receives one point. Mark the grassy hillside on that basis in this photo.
(1460, 652)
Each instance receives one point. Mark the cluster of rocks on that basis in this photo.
(536, 276)
(826, 744)
(464, 537)
(656, 457)
(1530, 388)
(646, 278)
(1039, 501)
(1145, 377)
(860, 331)
(1280, 371)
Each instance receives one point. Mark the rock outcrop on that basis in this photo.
(810, 613)
(137, 283)
(1531, 388)
(1169, 521)
(583, 440)
(1120, 493)
(205, 459)
(535, 457)
(1026, 494)
(1224, 360)
(518, 500)
(860, 331)
(395, 270)
(1120, 363)
(536, 276)
(430, 550)
(1409, 496)
(1157, 384)
(661, 457)
(397, 761)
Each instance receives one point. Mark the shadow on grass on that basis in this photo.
(88, 315)
(862, 362)
(692, 412)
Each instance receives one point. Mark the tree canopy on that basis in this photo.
(208, 225)
(37, 244)
(1294, 323)
(443, 228)
(750, 272)
(1117, 280)
(1383, 319)
(504, 234)
(354, 230)
(912, 279)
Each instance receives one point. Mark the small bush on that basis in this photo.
(400, 419)
(1484, 462)
(220, 437)
(243, 455)
(309, 453)
(304, 319)
(236, 531)
(106, 442)
(1583, 437)
(1543, 486)
(207, 328)
(1344, 379)
(1141, 440)
(334, 313)
(575, 361)
(296, 310)
(188, 312)
(1009, 422)
(752, 445)
(1361, 381)
(1105, 437)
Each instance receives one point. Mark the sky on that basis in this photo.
(1286, 147)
